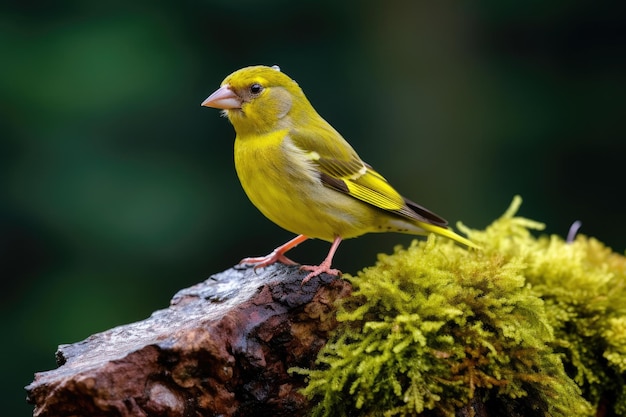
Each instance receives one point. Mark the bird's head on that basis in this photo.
(258, 99)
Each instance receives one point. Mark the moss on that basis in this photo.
(527, 326)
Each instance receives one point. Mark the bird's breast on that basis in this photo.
(274, 175)
(282, 181)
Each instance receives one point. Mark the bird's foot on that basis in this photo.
(323, 268)
(263, 261)
(277, 255)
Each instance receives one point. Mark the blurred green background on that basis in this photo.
(118, 189)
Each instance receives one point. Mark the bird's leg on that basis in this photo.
(324, 267)
(277, 255)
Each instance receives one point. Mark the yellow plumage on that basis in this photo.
(303, 175)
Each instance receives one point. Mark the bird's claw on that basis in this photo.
(316, 270)
(263, 261)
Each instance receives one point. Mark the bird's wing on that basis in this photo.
(341, 168)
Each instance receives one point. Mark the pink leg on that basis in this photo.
(277, 255)
(325, 265)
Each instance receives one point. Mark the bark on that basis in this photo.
(222, 348)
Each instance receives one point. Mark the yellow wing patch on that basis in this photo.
(372, 188)
(342, 169)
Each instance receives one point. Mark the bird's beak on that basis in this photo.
(223, 98)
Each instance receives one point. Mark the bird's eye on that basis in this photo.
(256, 88)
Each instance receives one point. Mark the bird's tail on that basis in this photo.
(443, 231)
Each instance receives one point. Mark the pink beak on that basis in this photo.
(223, 98)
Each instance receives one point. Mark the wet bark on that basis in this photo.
(222, 348)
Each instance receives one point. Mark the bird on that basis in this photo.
(304, 176)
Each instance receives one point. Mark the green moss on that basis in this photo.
(528, 326)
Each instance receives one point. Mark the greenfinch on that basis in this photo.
(303, 175)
